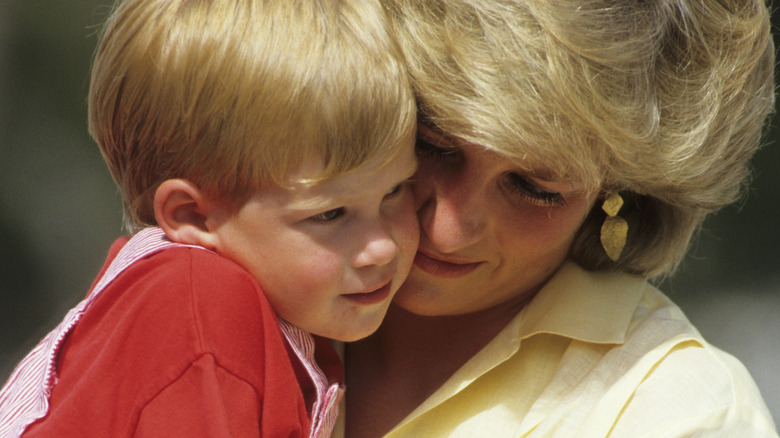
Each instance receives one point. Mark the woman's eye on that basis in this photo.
(427, 150)
(329, 215)
(532, 193)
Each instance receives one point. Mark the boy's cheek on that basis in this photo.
(411, 232)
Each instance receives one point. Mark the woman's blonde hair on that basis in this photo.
(662, 101)
(232, 94)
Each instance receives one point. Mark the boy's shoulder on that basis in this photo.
(166, 318)
(210, 276)
(209, 285)
(193, 298)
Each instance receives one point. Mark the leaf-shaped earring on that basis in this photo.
(615, 228)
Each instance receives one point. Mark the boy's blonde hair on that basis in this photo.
(232, 94)
(662, 101)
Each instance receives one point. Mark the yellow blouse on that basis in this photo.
(594, 355)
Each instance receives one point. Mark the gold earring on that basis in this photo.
(615, 228)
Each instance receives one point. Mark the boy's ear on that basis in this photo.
(185, 214)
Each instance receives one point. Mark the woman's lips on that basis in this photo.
(369, 298)
(442, 268)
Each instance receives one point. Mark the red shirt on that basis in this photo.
(181, 343)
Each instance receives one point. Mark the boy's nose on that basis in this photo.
(378, 249)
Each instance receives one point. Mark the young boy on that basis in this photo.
(262, 149)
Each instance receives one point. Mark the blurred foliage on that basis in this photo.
(59, 210)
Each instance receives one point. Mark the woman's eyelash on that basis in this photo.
(518, 184)
(533, 193)
(428, 150)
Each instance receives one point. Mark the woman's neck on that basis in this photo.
(393, 371)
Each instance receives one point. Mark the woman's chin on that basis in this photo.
(421, 299)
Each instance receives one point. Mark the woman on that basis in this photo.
(568, 153)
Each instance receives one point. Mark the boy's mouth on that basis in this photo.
(374, 297)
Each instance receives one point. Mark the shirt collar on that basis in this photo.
(587, 306)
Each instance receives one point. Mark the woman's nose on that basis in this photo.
(452, 214)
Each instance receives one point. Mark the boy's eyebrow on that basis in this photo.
(320, 201)
(314, 203)
(326, 200)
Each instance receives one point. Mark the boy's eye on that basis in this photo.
(532, 193)
(329, 215)
(394, 190)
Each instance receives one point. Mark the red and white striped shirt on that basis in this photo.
(25, 397)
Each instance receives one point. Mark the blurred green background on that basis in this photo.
(59, 210)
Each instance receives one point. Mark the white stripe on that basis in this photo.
(326, 406)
